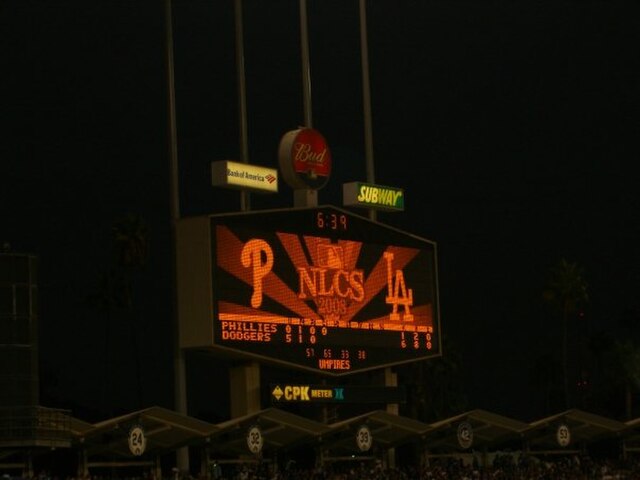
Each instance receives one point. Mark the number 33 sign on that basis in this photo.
(364, 439)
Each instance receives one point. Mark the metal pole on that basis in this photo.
(305, 197)
(306, 69)
(180, 385)
(366, 99)
(245, 198)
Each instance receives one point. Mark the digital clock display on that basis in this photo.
(321, 289)
(333, 221)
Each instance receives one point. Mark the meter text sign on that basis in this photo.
(287, 393)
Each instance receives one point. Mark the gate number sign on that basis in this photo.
(364, 439)
(137, 440)
(255, 440)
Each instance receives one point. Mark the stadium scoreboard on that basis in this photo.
(318, 288)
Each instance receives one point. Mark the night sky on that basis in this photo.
(513, 127)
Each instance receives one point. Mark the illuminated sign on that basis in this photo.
(255, 439)
(305, 159)
(563, 435)
(316, 288)
(465, 435)
(237, 175)
(358, 194)
(137, 440)
(287, 393)
(364, 439)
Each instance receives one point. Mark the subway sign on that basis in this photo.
(368, 195)
(308, 393)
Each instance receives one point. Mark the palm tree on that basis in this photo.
(618, 361)
(628, 359)
(113, 292)
(106, 299)
(566, 290)
(130, 236)
(435, 385)
(545, 378)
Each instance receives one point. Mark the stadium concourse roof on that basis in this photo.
(583, 427)
(279, 428)
(387, 430)
(166, 431)
(489, 430)
(632, 436)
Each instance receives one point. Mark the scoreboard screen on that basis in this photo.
(320, 289)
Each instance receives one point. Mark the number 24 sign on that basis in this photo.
(137, 440)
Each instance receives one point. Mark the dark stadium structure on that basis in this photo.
(30, 432)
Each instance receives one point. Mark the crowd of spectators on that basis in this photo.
(504, 467)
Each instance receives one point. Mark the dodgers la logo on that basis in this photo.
(398, 292)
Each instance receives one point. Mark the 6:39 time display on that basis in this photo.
(331, 221)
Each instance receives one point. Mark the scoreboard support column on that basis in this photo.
(391, 380)
(305, 198)
(244, 389)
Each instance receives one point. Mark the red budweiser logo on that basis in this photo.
(305, 158)
(311, 154)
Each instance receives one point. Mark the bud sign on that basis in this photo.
(305, 159)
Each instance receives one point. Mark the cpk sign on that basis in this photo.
(320, 289)
(305, 159)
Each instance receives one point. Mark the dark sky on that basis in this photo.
(512, 125)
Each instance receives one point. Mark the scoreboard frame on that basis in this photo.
(316, 288)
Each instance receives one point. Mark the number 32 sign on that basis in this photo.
(255, 441)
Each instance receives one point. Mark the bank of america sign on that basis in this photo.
(244, 176)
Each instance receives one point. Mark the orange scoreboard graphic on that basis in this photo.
(322, 289)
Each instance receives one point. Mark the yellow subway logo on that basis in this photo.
(373, 196)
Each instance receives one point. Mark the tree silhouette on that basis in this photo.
(435, 386)
(130, 236)
(617, 354)
(545, 376)
(107, 297)
(566, 291)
